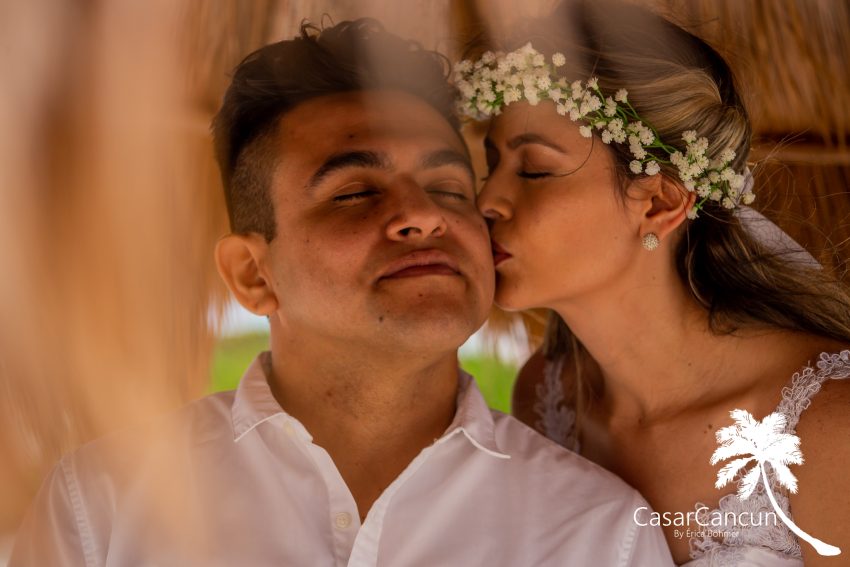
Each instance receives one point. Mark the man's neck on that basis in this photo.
(372, 410)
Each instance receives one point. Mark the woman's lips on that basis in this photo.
(499, 254)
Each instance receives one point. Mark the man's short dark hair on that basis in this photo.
(349, 56)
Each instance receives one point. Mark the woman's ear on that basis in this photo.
(240, 262)
(664, 205)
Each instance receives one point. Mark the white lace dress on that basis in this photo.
(770, 545)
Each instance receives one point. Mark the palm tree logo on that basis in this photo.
(763, 442)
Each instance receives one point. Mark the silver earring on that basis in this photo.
(650, 241)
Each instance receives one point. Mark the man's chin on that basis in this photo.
(433, 323)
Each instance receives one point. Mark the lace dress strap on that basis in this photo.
(555, 419)
(729, 549)
(798, 394)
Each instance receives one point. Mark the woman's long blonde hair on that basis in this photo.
(677, 82)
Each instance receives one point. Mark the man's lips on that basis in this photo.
(422, 263)
(499, 254)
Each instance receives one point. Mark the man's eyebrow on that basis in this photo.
(532, 138)
(344, 160)
(447, 157)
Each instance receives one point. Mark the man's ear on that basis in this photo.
(240, 260)
(664, 204)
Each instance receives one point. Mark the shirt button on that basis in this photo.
(342, 520)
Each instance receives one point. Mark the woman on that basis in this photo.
(617, 194)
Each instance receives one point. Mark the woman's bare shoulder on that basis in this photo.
(822, 503)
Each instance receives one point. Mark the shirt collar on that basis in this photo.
(255, 404)
(473, 418)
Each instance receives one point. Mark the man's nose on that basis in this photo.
(416, 215)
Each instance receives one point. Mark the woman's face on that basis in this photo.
(552, 200)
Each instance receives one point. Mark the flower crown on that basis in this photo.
(497, 79)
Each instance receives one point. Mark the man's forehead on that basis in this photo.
(349, 119)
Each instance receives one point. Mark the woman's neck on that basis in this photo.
(657, 355)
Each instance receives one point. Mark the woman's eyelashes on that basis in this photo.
(533, 174)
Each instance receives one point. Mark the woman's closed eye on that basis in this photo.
(533, 174)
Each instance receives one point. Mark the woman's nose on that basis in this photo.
(494, 204)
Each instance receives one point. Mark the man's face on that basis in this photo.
(378, 237)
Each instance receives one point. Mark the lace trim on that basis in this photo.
(557, 421)
(796, 398)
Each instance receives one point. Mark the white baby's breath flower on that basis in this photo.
(595, 103)
(727, 155)
(512, 94)
(737, 181)
(464, 66)
(498, 79)
(692, 213)
(616, 125)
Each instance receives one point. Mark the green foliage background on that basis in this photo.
(234, 354)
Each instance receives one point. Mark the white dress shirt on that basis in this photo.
(234, 480)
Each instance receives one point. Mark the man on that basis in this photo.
(356, 440)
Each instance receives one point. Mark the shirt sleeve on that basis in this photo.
(648, 544)
(52, 532)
